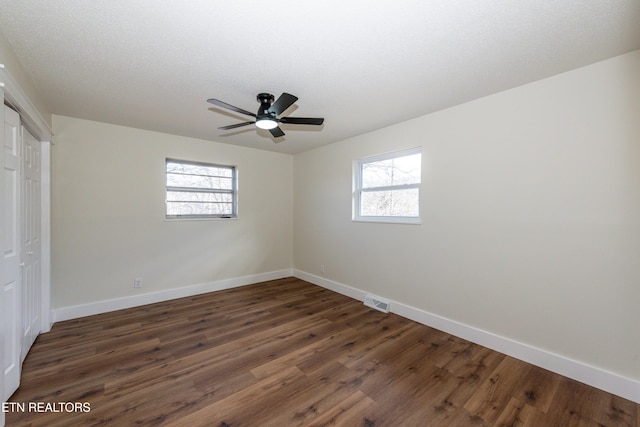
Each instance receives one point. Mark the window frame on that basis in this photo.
(358, 189)
(233, 191)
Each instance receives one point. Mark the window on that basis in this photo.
(387, 187)
(201, 190)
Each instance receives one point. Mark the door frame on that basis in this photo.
(12, 94)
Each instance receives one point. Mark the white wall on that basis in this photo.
(531, 216)
(108, 214)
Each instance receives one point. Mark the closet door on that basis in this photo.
(31, 241)
(11, 252)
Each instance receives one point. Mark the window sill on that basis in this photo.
(389, 220)
(231, 218)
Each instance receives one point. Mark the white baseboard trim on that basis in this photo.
(590, 375)
(74, 312)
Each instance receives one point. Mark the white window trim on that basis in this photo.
(234, 191)
(357, 189)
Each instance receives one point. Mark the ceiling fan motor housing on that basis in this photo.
(265, 100)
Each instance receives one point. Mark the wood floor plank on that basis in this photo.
(252, 404)
(538, 388)
(118, 409)
(493, 396)
(288, 353)
(348, 412)
(324, 390)
(311, 357)
(474, 372)
(517, 413)
(462, 418)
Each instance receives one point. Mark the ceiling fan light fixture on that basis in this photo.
(266, 124)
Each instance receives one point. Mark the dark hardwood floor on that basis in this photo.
(288, 353)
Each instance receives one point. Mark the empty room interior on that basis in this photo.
(347, 213)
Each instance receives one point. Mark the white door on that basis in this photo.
(31, 259)
(11, 253)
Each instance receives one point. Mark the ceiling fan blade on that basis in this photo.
(285, 101)
(276, 132)
(237, 125)
(230, 107)
(302, 120)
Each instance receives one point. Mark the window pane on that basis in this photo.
(194, 169)
(197, 208)
(397, 171)
(390, 203)
(198, 197)
(198, 181)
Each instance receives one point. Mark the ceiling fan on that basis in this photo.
(267, 116)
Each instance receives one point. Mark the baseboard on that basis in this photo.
(74, 312)
(595, 377)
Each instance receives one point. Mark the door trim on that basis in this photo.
(30, 116)
(38, 126)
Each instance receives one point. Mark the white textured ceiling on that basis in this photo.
(360, 64)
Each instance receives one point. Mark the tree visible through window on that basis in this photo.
(388, 187)
(200, 190)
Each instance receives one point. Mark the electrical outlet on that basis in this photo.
(322, 268)
(137, 282)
